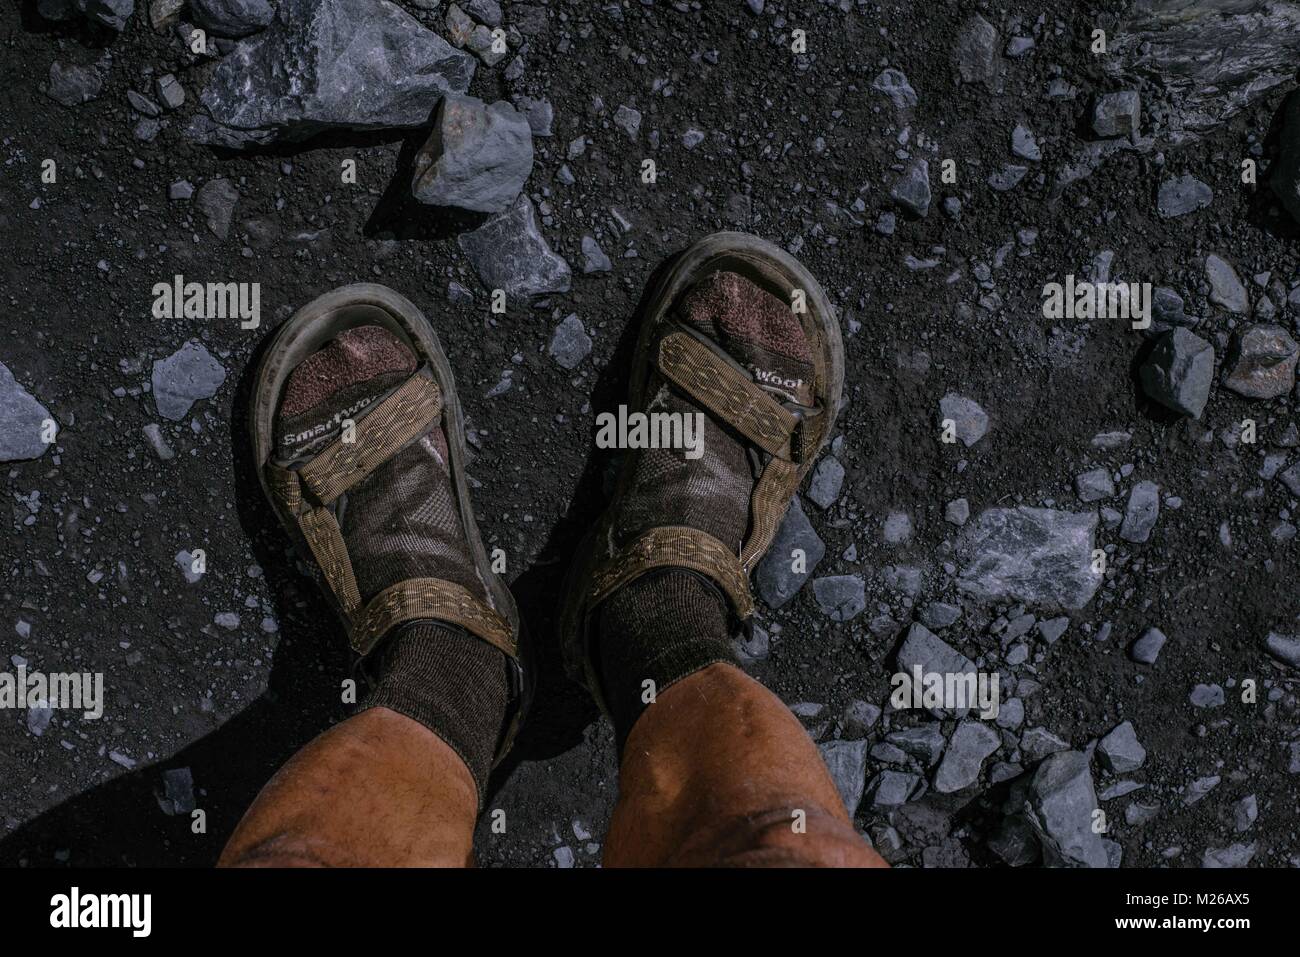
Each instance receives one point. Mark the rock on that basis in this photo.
(1024, 145)
(847, 762)
(183, 378)
(957, 512)
(1285, 648)
(1147, 648)
(970, 422)
(1038, 743)
(509, 252)
(1007, 177)
(593, 257)
(1052, 629)
(922, 648)
(859, 718)
(1117, 114)
(477, 157)
(840, 597)
(329, 64)
(570, 343)
(893, 788)
(1120, 750)
(216, 200)
(902, 578)
(1019, 46)
(1182, 195)
(170, 92)
(73, 85)
(897, 528)
(22, 421)
(937, 615)
(975, 53)
(692, 139)
(185, 562)
(1015, 842)
(970, 744)
(1141, 514)
(113, 14)
(1234, 855)
(1291, 479)
(1206, 696)
(893, 83)
(178, 792)
(1059, 806)
(165, 13)
(158, 442)
(1179, 372)
(39, 717)
(485, 11)
(791, 560)
(924, 742)
(1011, 714)
(460, 26)
(226, 619)
(1137, 814)
(628, 120)
(912, 189)
(1168, 310)
(1261, 362)
(232, 18)
(1226, 288)
(1094, 485)
(1039, 556)
(1244, 813)
(1207, 61)
(828, 477)
(484, 46)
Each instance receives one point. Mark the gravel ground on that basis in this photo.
(933, 550)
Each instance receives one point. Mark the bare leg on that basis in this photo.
(714, 773)
(378, 790)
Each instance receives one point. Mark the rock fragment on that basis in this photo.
(73, 85)
(925, 650)
(1121, 751)
(1179, 372)
(183, 378)
(216, 200)
(970, 745)
(1182, 195)
(1094, 485)
(912, 189)
(477, 157)
(1285, 648)
(1059, 807)
(1261, 362)
(893, 83)
(847, 762)
(1141, 514)
(1117, 114)
(1042, 557)
(840, 597)
(792, 559)
(594, 258)
(570, 343)
(22, 421)
(1226, 287)
(975, 54)
(1024, 145)
(509, 252)
(1147, 648)
(827, 479)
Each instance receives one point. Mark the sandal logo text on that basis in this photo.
(953, 690)
(652, 430)
(209, 300)
(73, 910)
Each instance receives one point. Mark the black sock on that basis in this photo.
(456, 685)
(662, 627)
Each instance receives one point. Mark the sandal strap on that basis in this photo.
(675, 546)
(380, 434)
(435, 599)
(731, 395)
(767, 505)
(320, 529)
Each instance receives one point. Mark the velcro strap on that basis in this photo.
(435, 599)
(767, 507)
(726, 392)
(403, 416)
(676, 546)
(321, 529)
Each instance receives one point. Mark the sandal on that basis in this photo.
(308, 496)
(783, 438)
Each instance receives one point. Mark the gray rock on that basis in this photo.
(1038, 743)
(570, 343)
(828, 477)
(593, 257)
(1019, 46)
(975, 54)
(329, 64)
(180, 190)
(847, 762)
(216, 200)
(1234, 855)
(73, 85)
(22, 420)
(185, 562)
(1285, 178)
(1206, 696)
(840, 597)
(1285, 648)
(1179, 372)
(939, 614)
(1007, 177)
(912, 189)
(1120, 750)
(926, 650)
(1182, 195)
(1015, 842)
(1261, 362)
(183, 378)
(1142, 512)
(1244, 813)
(178, 792)
(925, 742)
(1011, 714)
(893, 788)
(477, 157)
(113, 14)
(692, 139)
(484, 46)
(628, 120)
(1117, 114)
(509, 252)
(1137, 813)
(1168, 309)
(1094, 485)
(1059, 806)
(1226, 287)
(859, 718)
(1040, 556)
(777, 577)
(39, 717)
(485, 11)
(232, 18)
(957, 512)
(1196, 790)
(540, 113)
(1024, 145)
(170, 92)
(902, 578)
(1291, 479)
(971, 422)
(1052, 629)
(893, 83)
(460, 26)
(158, 442)
(969, 746)
(1147, 648)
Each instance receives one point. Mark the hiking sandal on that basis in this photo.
(784, 436)
(307, 497)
